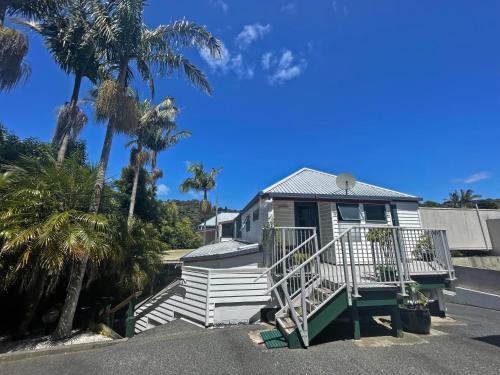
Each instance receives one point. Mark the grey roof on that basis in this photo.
(221, 250)
(223, 217)
(309, 182)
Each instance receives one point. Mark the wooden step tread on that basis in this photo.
(287, 324)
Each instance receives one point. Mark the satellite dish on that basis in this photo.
(345, 181)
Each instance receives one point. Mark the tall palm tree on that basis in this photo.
(461, 198)
(13, 44)
(202, 181)
(163, 135)
(70, 36)
(125, 39)
(44, 224)
(154, 133)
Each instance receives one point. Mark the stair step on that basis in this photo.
(287, 324)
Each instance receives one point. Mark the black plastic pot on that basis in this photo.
(416, 320)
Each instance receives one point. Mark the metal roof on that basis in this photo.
(221, 250)
(312, 183)
(223, 217)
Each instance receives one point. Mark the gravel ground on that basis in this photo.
(44, 342)
(470, 345)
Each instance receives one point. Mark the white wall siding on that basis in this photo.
(408, 214)
(235, 297)
(188, 300)
(284, 213)
(208, 296)
(255, 232)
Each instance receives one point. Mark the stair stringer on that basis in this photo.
(321, 319)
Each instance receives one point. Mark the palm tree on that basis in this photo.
(461, 198)
(44, 224)
(70, 36)
(13, 44)
(202, 181)
(125, 39)
(154, 132)
(163, 135)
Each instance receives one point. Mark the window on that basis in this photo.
(256, 215)
(247, 223)
(348, 212)
(375, 213)
(238, 227)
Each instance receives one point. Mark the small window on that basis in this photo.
(247, 223)
(375, 213)
(348, 212)
(256, 215)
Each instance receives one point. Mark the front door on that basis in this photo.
(306, 215)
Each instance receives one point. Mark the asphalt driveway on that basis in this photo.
(471, 345)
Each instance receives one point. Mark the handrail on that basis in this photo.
(319, 252)
(173, 284)
(287, 256)
(122, 304)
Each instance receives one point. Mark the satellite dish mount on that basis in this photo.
(345, 181)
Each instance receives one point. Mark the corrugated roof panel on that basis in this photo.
(221, 250)
(310, 182)
(223, 217)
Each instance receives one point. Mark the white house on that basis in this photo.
(304, 242)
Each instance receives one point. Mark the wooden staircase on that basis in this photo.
(313, 287)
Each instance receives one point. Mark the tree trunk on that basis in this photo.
(205, 209)
(3, 11)
(133, 196)
(63, 147)
(33, 298)
(63, 329)
(65, 323)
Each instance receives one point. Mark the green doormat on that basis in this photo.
(274, 339)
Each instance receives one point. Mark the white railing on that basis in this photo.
(360, 257)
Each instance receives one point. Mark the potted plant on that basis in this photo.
(415, 313)
(423, 249)
(381, 242)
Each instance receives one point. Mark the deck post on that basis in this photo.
(396, 322)
(130, 325)
(353, 266)
(304, 306)
(398, 250)
(355, 320)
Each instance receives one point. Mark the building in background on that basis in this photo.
(218, 228)
(468, 229)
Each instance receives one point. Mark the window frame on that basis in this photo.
(377, 221)
(255, 214)
(247, 224)
(340, 216)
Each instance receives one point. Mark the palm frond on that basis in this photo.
(13, 50)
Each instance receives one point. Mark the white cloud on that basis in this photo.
(251, 33)
(227, 63)
(162, 190)
(479, 176)
(284, 68)
(220, 4)
(267, 60)
(289, 8)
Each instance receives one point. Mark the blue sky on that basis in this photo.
(403, 94)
